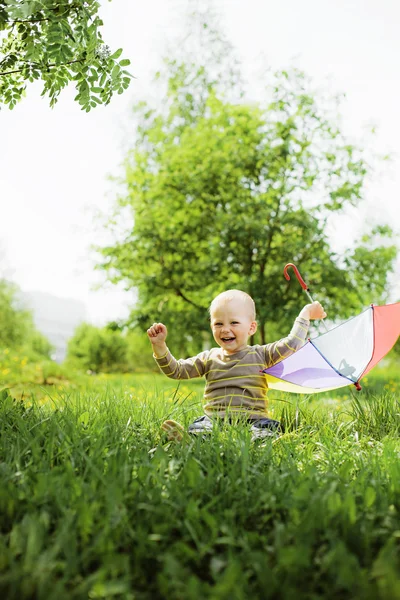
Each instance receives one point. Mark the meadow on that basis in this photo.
(95, 503)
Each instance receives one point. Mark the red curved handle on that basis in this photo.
(296, 272)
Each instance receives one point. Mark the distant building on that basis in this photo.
(56, 318)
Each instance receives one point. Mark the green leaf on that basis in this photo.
(115, 72)
(370, 496)
(116, 54)
(55, 38)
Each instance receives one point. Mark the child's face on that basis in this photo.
(232, 325)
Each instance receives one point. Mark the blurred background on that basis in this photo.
(58, 166)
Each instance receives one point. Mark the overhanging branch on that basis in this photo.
(184, 297)
(44, 68)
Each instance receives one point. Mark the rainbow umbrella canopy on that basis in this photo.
(341, 356)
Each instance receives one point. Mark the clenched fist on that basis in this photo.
(313, 311)
(157, 333)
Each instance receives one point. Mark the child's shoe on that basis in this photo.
(201, 425)
(265, 428)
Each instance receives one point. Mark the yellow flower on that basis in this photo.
(6, 351)
(5, 371)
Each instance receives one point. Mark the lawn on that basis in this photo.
(95, 504)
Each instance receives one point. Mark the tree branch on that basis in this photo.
(182, 295)
(28, 20)
(68, 8)
(71, 62)
(5, 58)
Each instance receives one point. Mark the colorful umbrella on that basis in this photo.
(340, 357)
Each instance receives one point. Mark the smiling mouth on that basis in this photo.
(231, 339)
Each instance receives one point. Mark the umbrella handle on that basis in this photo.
(301, 282)
(299, 279)
(297, 273)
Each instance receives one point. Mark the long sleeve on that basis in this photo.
(283, 348)
(188, 368)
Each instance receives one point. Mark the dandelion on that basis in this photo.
(5, 371)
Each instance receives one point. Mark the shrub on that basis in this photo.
(140, 354)
(98, 349)
(17, 329)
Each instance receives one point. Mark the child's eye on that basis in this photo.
(234, 322)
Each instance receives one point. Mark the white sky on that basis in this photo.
(54, 163)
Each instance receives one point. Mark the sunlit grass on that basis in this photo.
(94, 503)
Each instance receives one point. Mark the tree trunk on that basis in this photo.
(262, 333)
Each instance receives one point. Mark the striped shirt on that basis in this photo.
(234, 382)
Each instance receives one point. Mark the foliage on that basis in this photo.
(22, 367)
(24, 351)
(222, 194)
(396, 348)
(312, 515)
(97, 349)
(16, 324)
(40, 344)
(110, 349)
(139, 352)
(58, 43)
(13, 321)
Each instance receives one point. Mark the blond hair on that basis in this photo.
(229, 295)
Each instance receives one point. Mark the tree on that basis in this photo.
(139, 356)
(99, 349)
(223, 193)
(16, 324)
(110, 349)
(58, 43)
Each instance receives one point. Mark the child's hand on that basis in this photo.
(313, 311)
(157, 333)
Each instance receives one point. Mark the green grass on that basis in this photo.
(95, 504)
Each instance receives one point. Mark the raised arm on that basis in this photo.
(157, 335)
(188, 368)
(297, 337)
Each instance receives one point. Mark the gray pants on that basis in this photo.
(260, 428)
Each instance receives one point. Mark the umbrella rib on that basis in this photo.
(373, 342)
(340, 324)
(330, 364)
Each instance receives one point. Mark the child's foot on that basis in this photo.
(265, 428)
(175, 432)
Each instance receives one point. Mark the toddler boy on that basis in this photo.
(234, 384)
